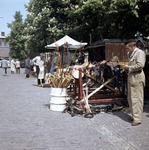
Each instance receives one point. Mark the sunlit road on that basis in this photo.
(26, 122)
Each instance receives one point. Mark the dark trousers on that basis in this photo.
(12, 72)
(5, 71)
(41, 81)
(117, 73)
(37, 71)
(27, 75)
(38, 80)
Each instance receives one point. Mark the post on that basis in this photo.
(67, 53)
(62, 58)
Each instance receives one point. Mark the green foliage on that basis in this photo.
(114, 18)
(49, 19)
(15, 40)
(46, 20)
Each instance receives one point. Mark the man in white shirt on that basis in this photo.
(36, 62)
(13, 66)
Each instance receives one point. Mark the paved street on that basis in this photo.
(26, 122)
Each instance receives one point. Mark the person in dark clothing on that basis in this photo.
(4, 66)
(27, 68)
(80, 58)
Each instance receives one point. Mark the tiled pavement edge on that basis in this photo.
(26, 123)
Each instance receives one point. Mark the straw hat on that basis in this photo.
(42, 54)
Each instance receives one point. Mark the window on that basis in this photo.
(0, 42)
(5, 43)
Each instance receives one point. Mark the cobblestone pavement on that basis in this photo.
(26, 122)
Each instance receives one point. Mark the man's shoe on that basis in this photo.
(39, 85)
(130, 119)
(27, 78)
(135, 124)
(42, 85)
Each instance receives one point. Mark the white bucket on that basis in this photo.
(58, 99)
(52, 91)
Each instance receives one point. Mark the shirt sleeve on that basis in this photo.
(140, 62)
(34, 59)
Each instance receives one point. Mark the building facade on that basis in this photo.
(4, 47)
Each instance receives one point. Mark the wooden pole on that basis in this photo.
(58, 56)
(67, 53)
(72, 58)
(88, 110)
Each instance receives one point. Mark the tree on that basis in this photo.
(84, 20)
(113, 18)
(47, 20)
(15, 39)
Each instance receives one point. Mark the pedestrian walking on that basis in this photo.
(136, 81)
(37, 61)
(27, 68)
(5, 65)
(17, 66)
(13, 66)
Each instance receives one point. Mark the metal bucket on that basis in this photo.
(58, 99)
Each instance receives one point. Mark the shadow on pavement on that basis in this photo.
(34, 85)
(125, 114)
(121, 114)
(45, 85)
(46, 106)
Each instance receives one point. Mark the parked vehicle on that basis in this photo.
(22, 64)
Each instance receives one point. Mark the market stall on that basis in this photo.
(81, 94)
(68, 43)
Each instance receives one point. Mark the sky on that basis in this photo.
(7, 11)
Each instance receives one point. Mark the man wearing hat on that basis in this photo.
(37, 62)
(4, 66)
(136, 81)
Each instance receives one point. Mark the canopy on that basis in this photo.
(67, 41)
